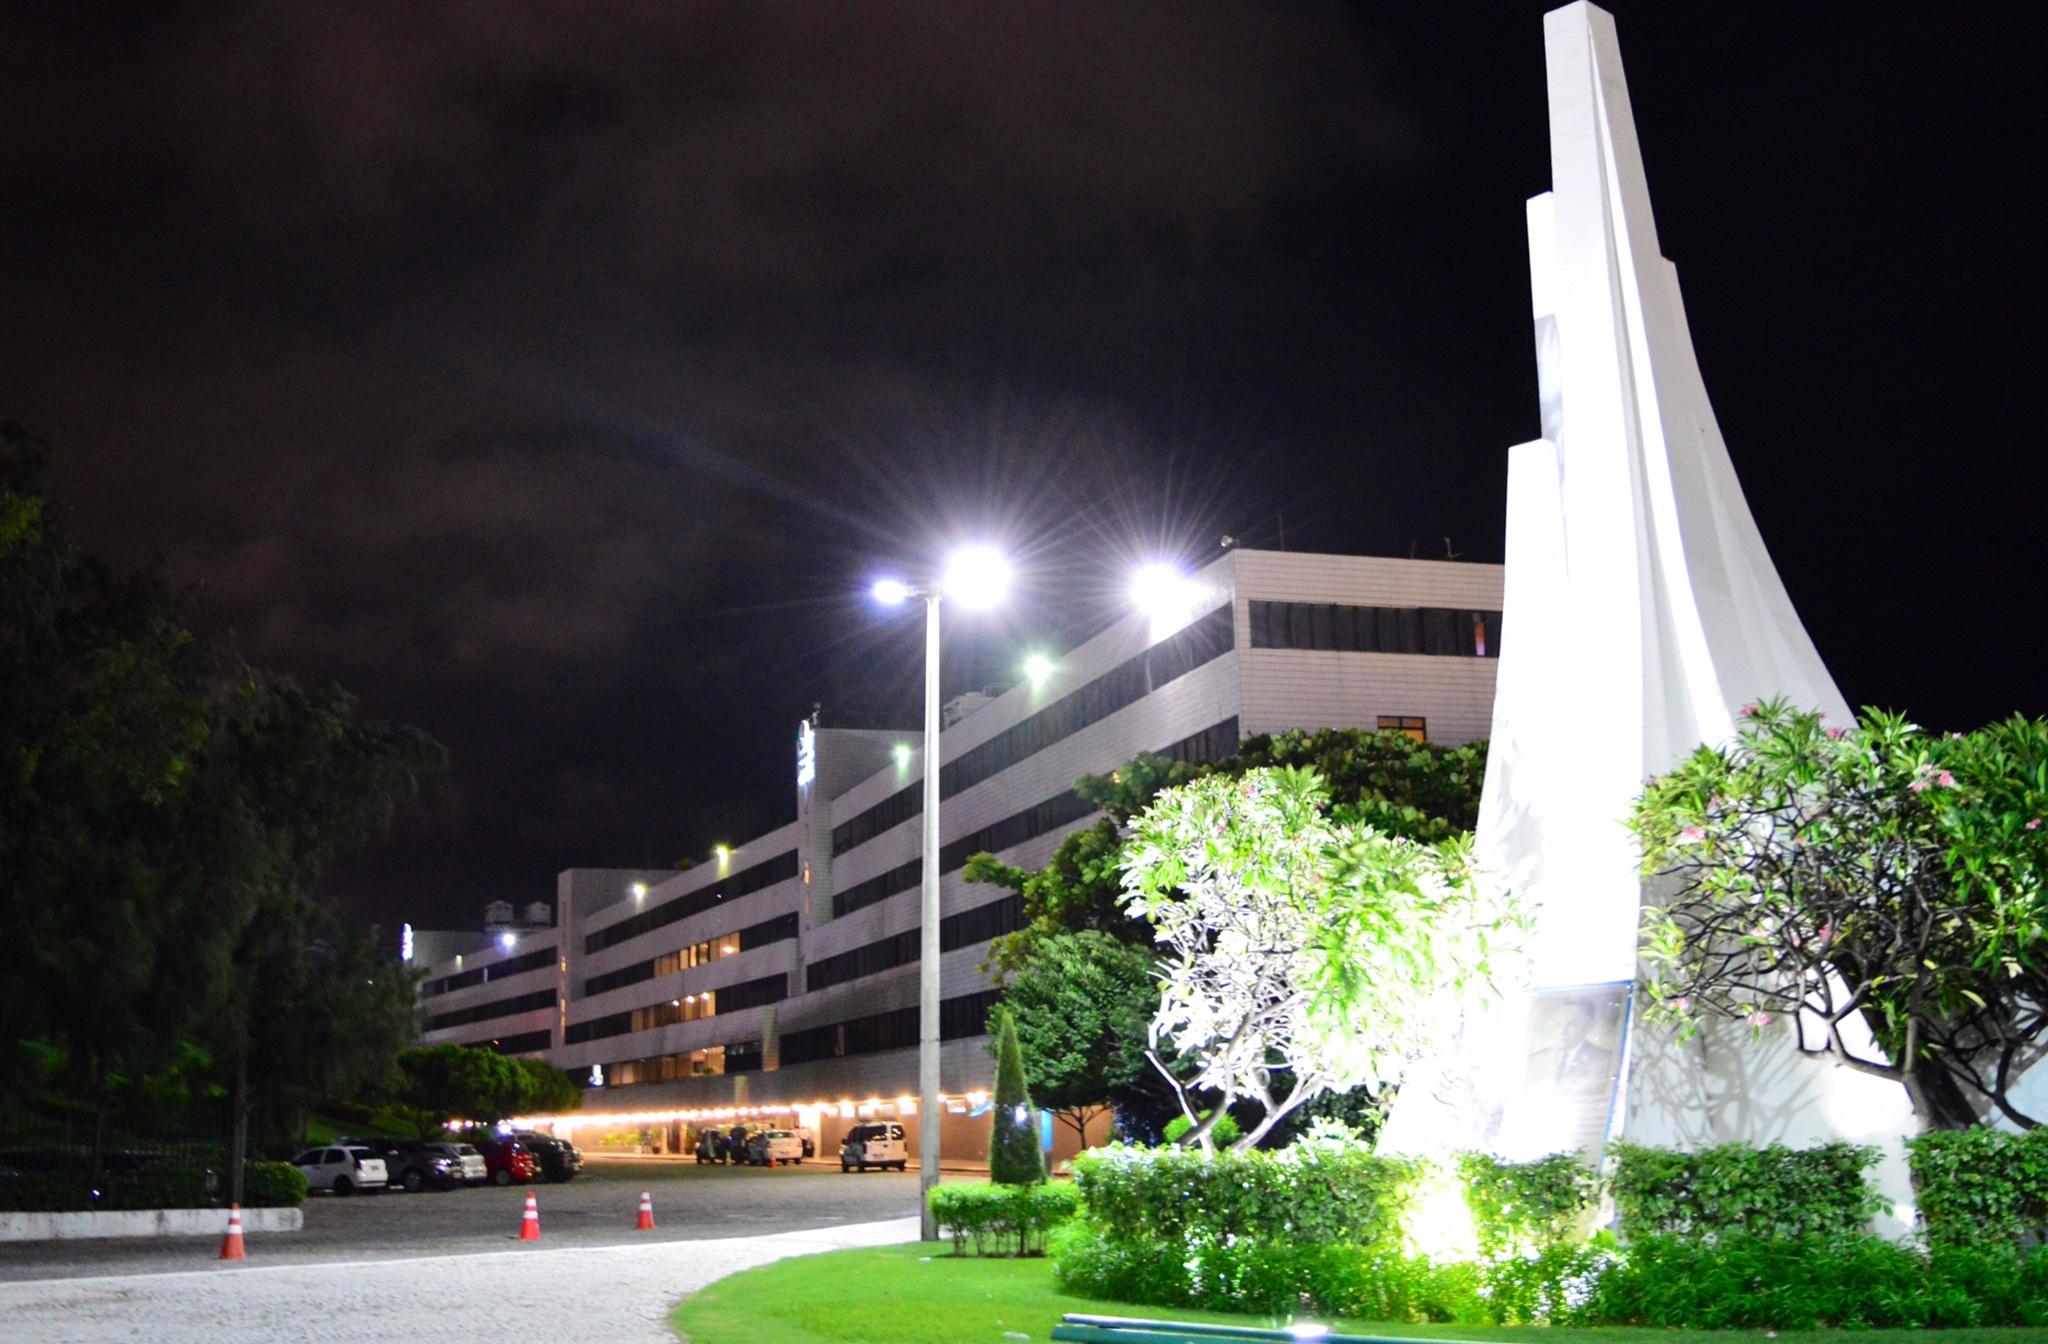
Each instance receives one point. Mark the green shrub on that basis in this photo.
(1737, 1190)
(1002, 1219)
(162, 1187)
(1981, 1187)
(272, 1185)
(1817, 1283)
(1526, 1206)
(71, 1191)
(1014, 1157)
(1223, 1135)
(1304, 1194)
(1265, 1277)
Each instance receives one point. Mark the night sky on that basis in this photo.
(555, 376)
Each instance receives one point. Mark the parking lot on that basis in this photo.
(596, 1209)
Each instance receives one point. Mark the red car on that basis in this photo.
(507, 1160)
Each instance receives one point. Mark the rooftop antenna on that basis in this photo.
(1450, 554)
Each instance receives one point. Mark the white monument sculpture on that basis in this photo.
(1641, 613)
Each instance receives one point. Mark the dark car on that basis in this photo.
(559, 1159)
(507, 1160)
(413, 1165)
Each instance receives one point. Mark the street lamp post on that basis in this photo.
(975, 577)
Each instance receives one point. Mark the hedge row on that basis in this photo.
(1307, 1193)
(1738, 1282)
(1002, 1219)
(1981, 1187)
(1734, 1189)
(265, 1185)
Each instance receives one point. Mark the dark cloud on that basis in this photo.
(554, 374)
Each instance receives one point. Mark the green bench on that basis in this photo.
(1128, 1330)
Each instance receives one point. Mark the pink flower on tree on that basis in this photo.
(1747, 711)
(1946, 780)
(1838, 733)
(1757, 1020)
(2034, 825)
(1683, 1004)
(1692, 835)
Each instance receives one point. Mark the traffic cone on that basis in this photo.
(231, 1244)
(646, 1223)
(529, 1222)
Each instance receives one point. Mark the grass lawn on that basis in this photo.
(923, 1294)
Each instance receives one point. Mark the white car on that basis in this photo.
(879, 1144)
(469, 1163)
(342, 1170)
(773, 1147)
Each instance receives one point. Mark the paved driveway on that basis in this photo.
(436, 1267)
(614, 1294)
(691, 1203)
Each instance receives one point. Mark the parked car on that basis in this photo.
(874, 1145)
(470, 1167)
(710, 1145)
(414, 1165)
(507, 1160)
(774, 1147)
(736, 1144)
(559, 1159)
(344, 1170)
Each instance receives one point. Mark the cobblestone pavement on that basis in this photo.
(606, 1294)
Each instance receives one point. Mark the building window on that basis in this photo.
(1441, 632)
(1201, 641)
(1407, 725)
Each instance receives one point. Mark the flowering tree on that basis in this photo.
(1817, 874)
(1302, 954)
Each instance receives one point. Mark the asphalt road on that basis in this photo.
(597, 1209)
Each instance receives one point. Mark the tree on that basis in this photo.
(1387, 781)
(1813, 875)
(1304, 954)
(121, 877)
(1080, 1008)
(1014, 1157)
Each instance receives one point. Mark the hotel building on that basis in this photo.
(779, 982)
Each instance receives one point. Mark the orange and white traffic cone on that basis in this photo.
(529, 1222)
(646, 1223)
(231, 1244)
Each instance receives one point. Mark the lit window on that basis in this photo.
(1406, 725)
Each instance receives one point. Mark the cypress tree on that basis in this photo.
(1013, 1153)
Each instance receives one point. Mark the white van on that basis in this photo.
(878, 1143)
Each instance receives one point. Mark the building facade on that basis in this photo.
(780, 980)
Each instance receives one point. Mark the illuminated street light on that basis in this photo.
(639, 891)
(1037, 668)
(1160, 590)
(507, 941)
(976, 577)
(901, 751)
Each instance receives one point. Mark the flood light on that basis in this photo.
(891, 592)
(901, 751)
(639, 891)
(1037, 668)
(1160, 590)
(977, 576)
(507, 941)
